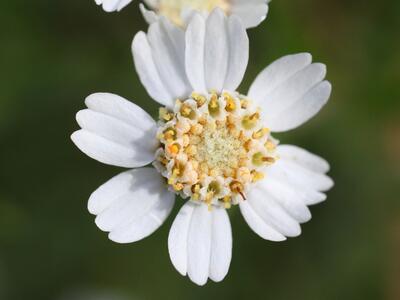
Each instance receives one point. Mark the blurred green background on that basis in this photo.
(55, 53)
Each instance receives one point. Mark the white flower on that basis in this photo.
(252, 13)
(212, 147)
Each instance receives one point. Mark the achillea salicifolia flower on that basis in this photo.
(211, 145)
(252, 13)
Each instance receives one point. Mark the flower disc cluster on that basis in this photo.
(213, 147)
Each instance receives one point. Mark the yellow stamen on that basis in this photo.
(270, 145)
(247, 145)
(187, 112)
(165, 115)
(230, 103)
(213, 106)
(237, 188)
(260, 133)
(170, 134)
(199, 99)
(244, 103)
(178, 187)
(214, 187)
(250, 121)
(259, 159)
(269, 160)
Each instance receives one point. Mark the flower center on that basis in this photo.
(219, 149)
(213, 147)
(172, 9)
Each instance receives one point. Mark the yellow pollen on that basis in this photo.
(174, 148)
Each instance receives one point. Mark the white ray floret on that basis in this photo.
(211, 145)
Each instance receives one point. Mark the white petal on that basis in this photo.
(113, 5)
(132, 205)
(278, 203)
(287, 198)
(149, 15)
(258, 225)
(221, 245)
(194, 54)
(303, 172)
(293, 89)
(167, 43)
(200, 243)
(238, 53)
(251, 12)
(294, 173)
(304, 158)
(216, 51)
(303, 110)
(272, 213)
(277, 73)
(120, 108)
(290, 91)
(115, 132)
(307, 195)
(147, 70)
(177, 239)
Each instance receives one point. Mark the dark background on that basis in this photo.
(55, 53)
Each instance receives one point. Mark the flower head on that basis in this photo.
(252, 13)
(211, 145)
